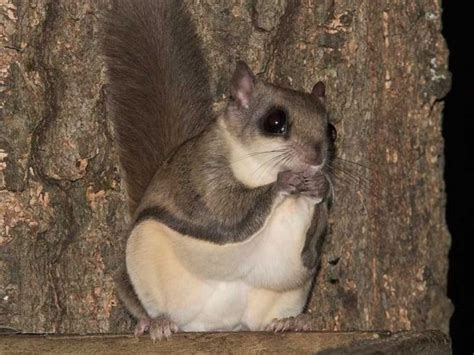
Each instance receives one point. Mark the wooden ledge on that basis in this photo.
(425, 342)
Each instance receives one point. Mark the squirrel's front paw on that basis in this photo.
(314, 185)
(289, 182)
(305, 183)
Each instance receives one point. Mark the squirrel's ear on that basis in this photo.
(319, 91)
(243, 82)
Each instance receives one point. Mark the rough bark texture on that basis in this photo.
(63, 217)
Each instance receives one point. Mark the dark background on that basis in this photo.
(459, 172)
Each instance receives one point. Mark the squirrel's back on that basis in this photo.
(158, 85)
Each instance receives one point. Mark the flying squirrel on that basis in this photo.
(229, 211)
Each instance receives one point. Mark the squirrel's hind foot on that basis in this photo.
(159, 328)
(142, 327)
(162, 328)
(301, 323)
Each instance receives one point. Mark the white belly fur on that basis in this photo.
(202, 286)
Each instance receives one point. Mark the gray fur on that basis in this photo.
(195, 190)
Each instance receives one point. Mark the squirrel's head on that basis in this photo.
(272, 129)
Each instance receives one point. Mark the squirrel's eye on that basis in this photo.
(275, 122)
(332, 132)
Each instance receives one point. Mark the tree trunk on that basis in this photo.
(63, 220)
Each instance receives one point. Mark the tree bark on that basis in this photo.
(63, 216)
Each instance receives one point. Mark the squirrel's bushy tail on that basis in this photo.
(158, 85)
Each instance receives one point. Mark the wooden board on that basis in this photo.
(429, 342)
